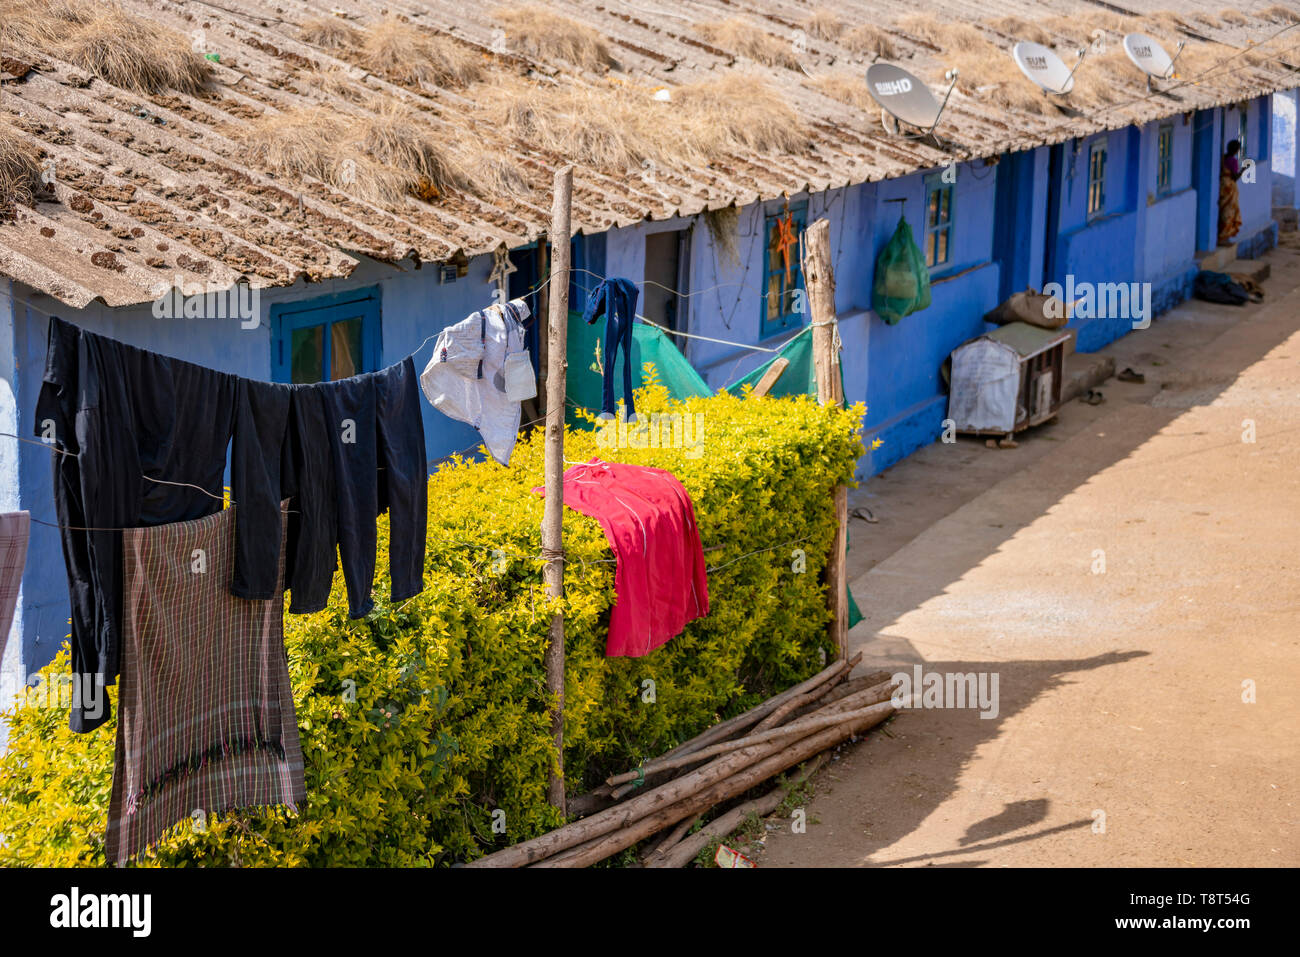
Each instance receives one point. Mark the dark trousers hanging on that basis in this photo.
(358, 450)
(616, 299)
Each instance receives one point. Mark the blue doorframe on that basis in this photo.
(1205, 178)
(1055, 167)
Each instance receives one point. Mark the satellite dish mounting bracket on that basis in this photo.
(1069, 79)
(951, 77)
(1177, 53)
(1169, 71)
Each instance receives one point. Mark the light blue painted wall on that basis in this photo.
(11, 665)
(1256, 199)
(1283, 160)
(1166, 234)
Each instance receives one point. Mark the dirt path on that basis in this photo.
(1120, 691)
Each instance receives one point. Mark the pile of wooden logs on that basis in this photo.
(730, 758)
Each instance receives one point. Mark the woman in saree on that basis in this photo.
(1229, 210)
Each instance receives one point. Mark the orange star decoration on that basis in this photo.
(785, 239)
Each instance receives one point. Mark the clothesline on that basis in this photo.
(79, 528)
(728, 342)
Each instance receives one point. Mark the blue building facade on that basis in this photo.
(1131, 205)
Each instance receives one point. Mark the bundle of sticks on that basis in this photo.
(677, 788)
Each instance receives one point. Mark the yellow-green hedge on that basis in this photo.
(449, 722)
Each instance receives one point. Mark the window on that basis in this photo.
(938, 221)
(1165, 158)
(1096, 179)
(320, 340)
(780, 294)
(1241, 131)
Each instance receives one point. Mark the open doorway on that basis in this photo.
(667, 278)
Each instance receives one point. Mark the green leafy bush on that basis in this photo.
(421, 720)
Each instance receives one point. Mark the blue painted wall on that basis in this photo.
(906, 399)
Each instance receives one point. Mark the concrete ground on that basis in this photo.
(1129, 573)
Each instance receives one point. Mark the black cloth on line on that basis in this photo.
(127, 415)
(357, 451)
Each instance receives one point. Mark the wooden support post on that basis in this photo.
(819, 279)
(557, 336)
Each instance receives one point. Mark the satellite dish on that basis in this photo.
(1044, 67)
(904, 97)
(1150, 57)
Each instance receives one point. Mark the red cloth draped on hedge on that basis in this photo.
(649, 522)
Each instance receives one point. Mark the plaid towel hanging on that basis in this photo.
(205, 719)
(14, 530)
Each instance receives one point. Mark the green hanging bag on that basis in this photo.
(902, 282)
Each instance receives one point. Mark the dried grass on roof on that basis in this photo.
(1104, 78)
(107, 42)
(740, 114)
(948, 36)
(1081, 29)
(1206, 61)
(748, 40)
(618, 127)
(990, 76)
(409, 55)
(539, 32)
(1233, 17)
(339, 83)
(824, 24)
(330, 33)
(1280, 14)
(986, 71)
(1164, 23)
(846, 88)
(1018, 28)
(609, 126)
(870, 40)
(20, 171)
(378, 157)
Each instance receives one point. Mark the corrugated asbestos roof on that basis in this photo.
(150, 186)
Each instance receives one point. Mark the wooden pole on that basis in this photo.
(819, 279)
(680, 852)
(557, 336)
(601, 846)
(795, 729)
